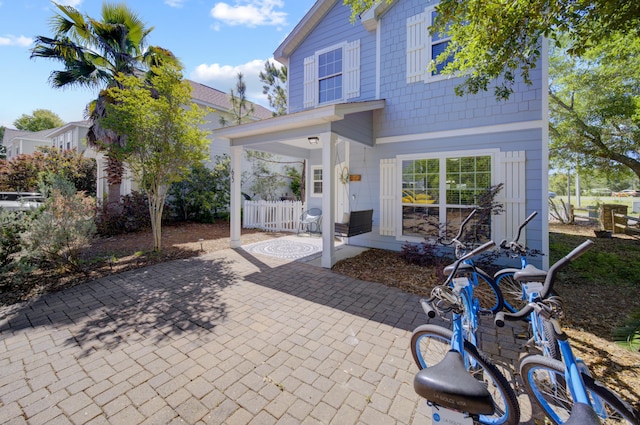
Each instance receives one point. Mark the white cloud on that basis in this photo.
(224, 78)
(72, 3)
(12, 40)
(175, 3)
(251, 13)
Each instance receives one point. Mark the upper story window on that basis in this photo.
(332, 75)
(423, 49)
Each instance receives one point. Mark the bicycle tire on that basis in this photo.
(488, 293)
(539, 374)
(427, 337)
(511, 291)
(550, 346)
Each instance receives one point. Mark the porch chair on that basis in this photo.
(311, 220)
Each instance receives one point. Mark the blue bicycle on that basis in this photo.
(486, 290)
(563, 387)
(513, 294)
(460, 382)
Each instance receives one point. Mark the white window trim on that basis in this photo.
(341, 46)
(350, 74)
(428, 77)
(493, 153)
(313, 192)
(419, 67)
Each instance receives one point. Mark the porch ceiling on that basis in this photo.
(295, 129)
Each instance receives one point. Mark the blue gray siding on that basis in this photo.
(419, 107)
(333, 29)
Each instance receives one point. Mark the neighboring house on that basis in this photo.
(363, 103)
(73, 136)
(217, 100)
(70, 136)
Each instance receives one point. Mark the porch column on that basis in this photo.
(235, 221)
(328, 141)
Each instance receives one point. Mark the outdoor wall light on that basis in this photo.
(313, 140)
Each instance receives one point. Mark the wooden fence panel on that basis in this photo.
(272, 216)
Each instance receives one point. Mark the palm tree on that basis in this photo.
(93, 52)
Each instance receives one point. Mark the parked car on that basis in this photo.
(600, 192)
(552, 195)
(626, 192)
(16, 201)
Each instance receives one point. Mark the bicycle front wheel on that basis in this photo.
(511, 291)
(488, 293)
(545, 382)
(430, 343)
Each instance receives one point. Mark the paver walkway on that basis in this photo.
(226, 338)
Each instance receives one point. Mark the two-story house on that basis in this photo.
(70, 136)
(380, 130)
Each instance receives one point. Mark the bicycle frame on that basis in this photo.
(574, 369)
(466, 322)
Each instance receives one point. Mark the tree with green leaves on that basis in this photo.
(40, 119)
(274, 80)
(92, 53)
(241, 108)
(161, 125)
(594, 105)
(495, 41)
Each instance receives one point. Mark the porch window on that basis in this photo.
(443, 190)
(316, 181)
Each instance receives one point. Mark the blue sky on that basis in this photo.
(214, 40)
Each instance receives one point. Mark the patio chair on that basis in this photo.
(311, 220)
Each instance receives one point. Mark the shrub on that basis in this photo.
(61, 227)
(204, 194)
(12, 224)
(23, 173)
(128, 215)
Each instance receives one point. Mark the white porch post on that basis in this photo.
(235, 220)
(328, 141)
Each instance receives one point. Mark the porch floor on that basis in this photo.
(301, 247)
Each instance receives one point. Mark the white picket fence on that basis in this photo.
(272, 216)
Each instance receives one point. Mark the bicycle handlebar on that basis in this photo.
(514, 242)
(548, 283)
(468, 255)
(456, 239)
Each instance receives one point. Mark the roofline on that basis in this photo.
(302, 29)
(321, 115)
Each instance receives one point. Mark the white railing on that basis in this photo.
(272, 216)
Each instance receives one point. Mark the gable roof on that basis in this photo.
(302, 29)
(12, 133)
(315, 15)
(220, 100)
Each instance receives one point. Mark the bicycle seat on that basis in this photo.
(463, 267)
(450, 385)
(530, 274)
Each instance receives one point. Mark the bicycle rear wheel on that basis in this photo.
(430, 343)
(545, 382)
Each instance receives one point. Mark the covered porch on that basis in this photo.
(300, 135)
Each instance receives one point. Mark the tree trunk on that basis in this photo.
(113, 193)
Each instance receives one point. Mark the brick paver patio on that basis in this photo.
(226, 338)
